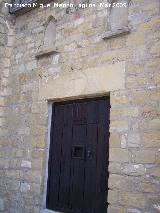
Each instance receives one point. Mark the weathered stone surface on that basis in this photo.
(120, 125)
(145, 156)
(24, 131)
(26, 164)
(119, 155)
(133, 211)
(123, 142)
(133, 140)
(113, 209)
(120, 181)
(132, 199)
(149, 187)
(155, 48)
(135, 39)
(154, 124)
(151, 139)
(4, 163)
(112, 197)
(25, 187)
(155, 171)
(31, 65)
(119, 99)
(115, 168)
(134, 169)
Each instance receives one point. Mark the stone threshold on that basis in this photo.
(116, 33)
(48, 211)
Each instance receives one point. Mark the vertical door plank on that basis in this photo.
(56, 155)
(90, 168)
(92, 112)
(102, 159)
(65, 175)
(79, 138)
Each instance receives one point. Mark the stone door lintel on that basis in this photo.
(91, 82)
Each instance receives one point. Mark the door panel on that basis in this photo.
(78, 159)
(65, 167)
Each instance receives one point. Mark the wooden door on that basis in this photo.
(78, 159)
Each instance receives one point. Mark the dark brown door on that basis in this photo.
(78, 160)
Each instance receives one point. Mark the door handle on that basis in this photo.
(89, 154)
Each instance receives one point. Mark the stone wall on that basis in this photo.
(6, 41)
(135, 114)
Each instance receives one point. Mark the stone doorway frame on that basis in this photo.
(90, 83)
